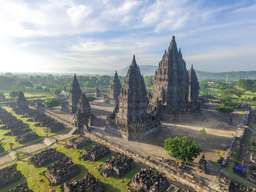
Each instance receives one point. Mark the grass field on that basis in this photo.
(35, 177)
(8, 142)
(40, 131)
(38, 182)
(113, 184)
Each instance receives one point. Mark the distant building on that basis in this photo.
(115, 88)
(98, 93)
(75, 94)
(21, 102)
(62, 96)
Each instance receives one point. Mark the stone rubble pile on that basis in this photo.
(117, 166)
(96, 153)
(88, 183)
(8, 176)
(46, 157)
(62, 171)
(147, 180)
(20, 188)
(80, 142)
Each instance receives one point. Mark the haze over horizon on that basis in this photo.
(82, 36)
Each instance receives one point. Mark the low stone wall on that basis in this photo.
(170, 171)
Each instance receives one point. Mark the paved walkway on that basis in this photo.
(30, 150)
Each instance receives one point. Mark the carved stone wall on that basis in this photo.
(131, 116)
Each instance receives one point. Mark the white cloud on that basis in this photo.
(225, 59)
(94, 32)
(78, 13)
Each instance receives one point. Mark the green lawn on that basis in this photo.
(8, 142)
(35, 177)
(113, 184)
(40, 131)
(37, 94)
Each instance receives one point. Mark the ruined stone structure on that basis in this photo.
(65, 106)
(193, 90)
(75, 94)
(115, 88)
(132, 117)
(21, 102)
(171, 83)
(97, 92)
(82, 117)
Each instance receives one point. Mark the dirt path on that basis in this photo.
(211, 131)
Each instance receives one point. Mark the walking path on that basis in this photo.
(211, 131)
(30, 150)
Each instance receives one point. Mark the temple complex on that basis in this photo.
(75, 94)
(171, 83)
(115, 88)
(132, 117)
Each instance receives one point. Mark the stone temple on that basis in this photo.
(175, 89)
(21, 102)
(83, 115)
(131, 116)
(75, 94)
(81, 109)
(193, 90)
(115, 88)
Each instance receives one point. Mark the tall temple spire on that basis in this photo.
(173, 45)
(180, 54)
(75, 93)
(193, 90)
(83, 115)
(134, 60)
(115, 88)
(84, 105)
(171, 76)
(21, 102)
(133, 102)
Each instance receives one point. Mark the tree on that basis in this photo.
(51, 102)
(182, 147)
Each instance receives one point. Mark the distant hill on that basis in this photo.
(148, 70)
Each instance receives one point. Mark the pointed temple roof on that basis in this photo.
(116, 76)
(116, 79)
(173, 45)
(75, 93)
(192, 76)
(21, 100)
(171, 79)
(75, 83)
(134, 76)
(133, 96)
(84, 105)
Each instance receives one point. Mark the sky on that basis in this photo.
(87, 36)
